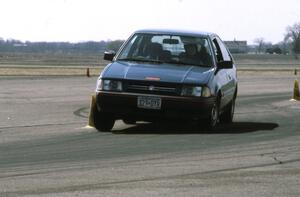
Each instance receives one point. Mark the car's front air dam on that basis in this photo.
(124, 105)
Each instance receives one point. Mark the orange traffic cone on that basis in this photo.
(88, 72)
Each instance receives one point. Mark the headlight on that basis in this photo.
(109, 85)
(206, 92)
(197, 91)
(191, 91)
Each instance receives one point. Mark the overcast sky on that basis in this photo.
(83, 20)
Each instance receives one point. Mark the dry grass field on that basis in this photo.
(33, 64)
(267, 61)
(49, 59)
(12, 64)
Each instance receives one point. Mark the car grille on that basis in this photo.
(157, 88)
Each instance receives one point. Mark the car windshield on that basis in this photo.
(180, 50)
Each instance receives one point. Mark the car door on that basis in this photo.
(226, 77)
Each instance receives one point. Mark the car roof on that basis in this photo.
(176, 32)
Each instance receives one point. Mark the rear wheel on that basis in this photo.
(227, 116)
(103, 122)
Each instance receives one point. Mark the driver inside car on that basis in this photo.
(195, 57)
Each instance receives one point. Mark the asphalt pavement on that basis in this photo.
(47, 150)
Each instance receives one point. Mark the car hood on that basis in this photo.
(158, 72)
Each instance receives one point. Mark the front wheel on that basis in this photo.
(212, 121)
(103, 122)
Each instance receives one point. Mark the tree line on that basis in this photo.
(290, 43)
(12, 45)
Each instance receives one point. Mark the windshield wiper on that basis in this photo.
(140, 60)
(131, 59)
(186, 63)
(154, 61)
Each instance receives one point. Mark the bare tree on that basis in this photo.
(284, 46)
(260, 44)
(293, 36)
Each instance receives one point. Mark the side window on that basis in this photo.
(225, 54)
(130, 48)
(217, 50)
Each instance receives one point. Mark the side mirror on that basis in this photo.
(109, 55)
(225, 64)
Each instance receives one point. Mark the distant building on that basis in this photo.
(19, 45)
(237, 46)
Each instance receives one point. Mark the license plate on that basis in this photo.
(147, 102)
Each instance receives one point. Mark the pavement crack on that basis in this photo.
(277, 160)
(119, 183)
(273, 157)
(39, 125)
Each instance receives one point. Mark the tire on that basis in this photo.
(103, 122)
(227, 116)
(212, 121)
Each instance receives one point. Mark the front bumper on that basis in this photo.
(124, 105)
